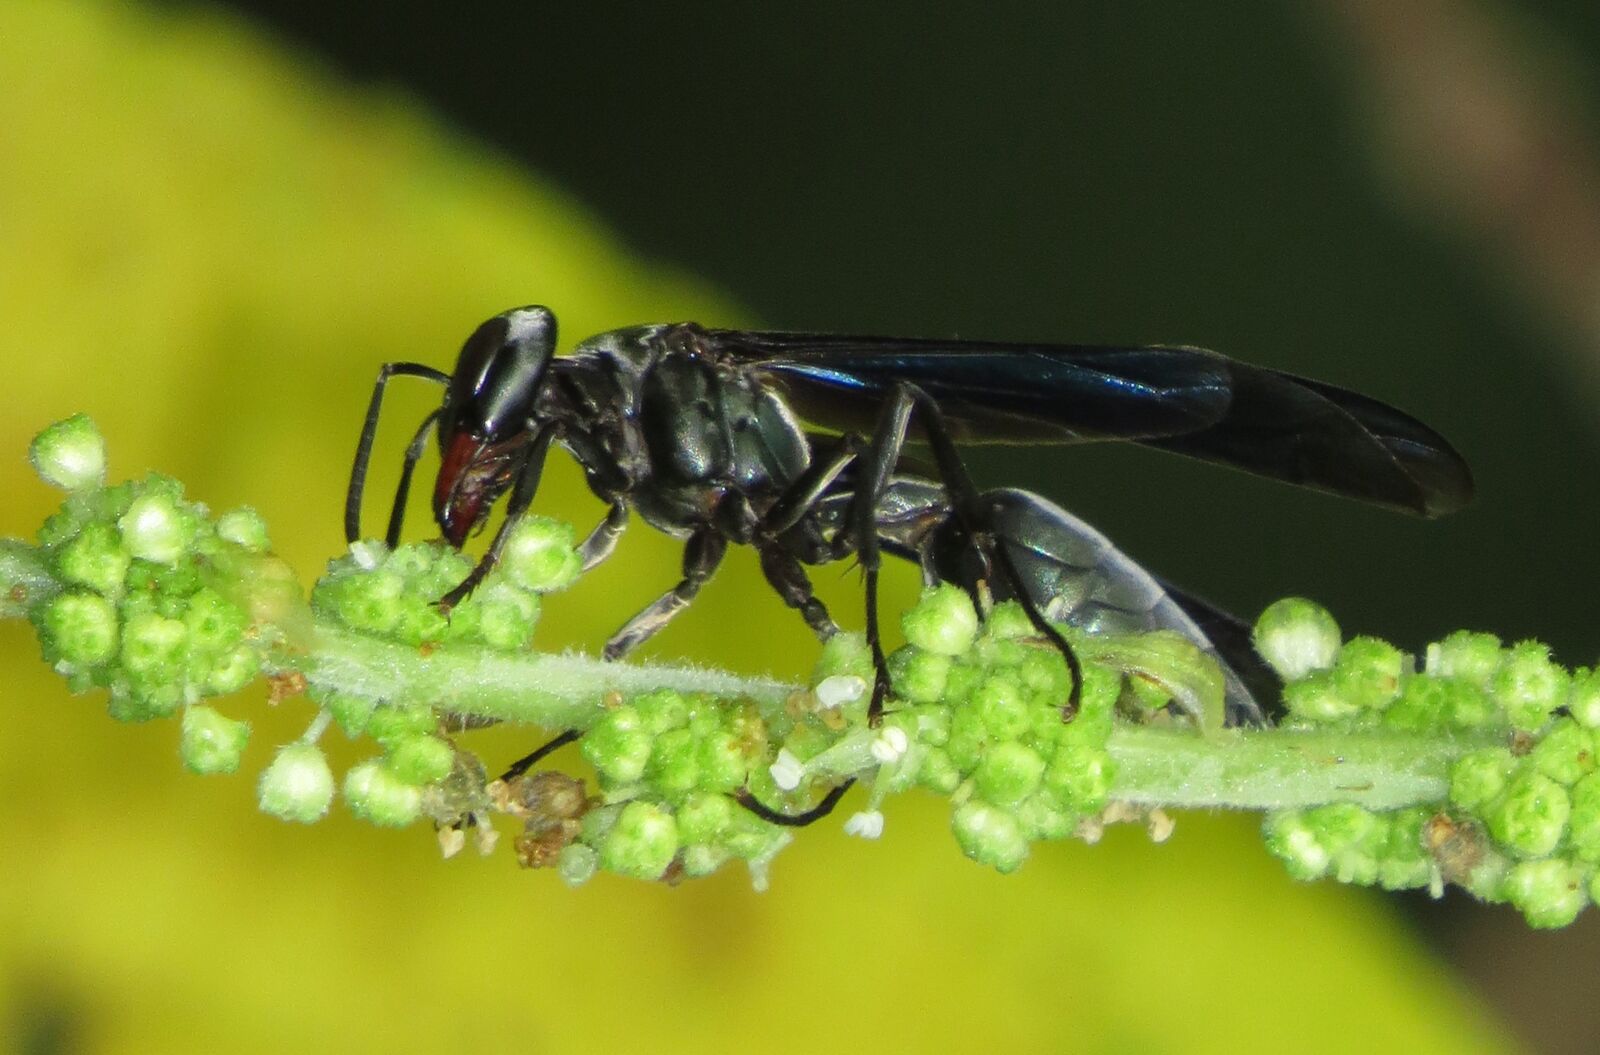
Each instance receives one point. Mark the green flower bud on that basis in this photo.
(722, 762)
(702, 818)
(350, 712)
(1045, 677)
(673, 769)
(943, 621)
(1403, 861)
(1316, 697)
(1583, 824)
(70, 454)
(506, 616)
(1040, 819)
(1297, 637)
(937, 772)
(750, 838)
(540, 555)
(662, 710)
(96, 559)
(1000, 653)
(1368, 672)
(1430, 704)
(378, 796)
(1079, 777)
(843, 654)
(1468, 705)
(961, 682)
(233, 671)
(595, 825)
(618, 746)
(1479, 777)
(390, 724)
(420, 760)
(1000, 708)
(297, 786)
(1009, 773)
(1530, 817)
(80, 628)
(1565, 752)
(1353, 836)
(1529, 686)
(1471, 657)
(1583, 698)
(576, 864)
(1008, 620)
(211, 743)
(244, 527)
(918, 676)
(153, 648)
(1549, 893)
(699, 860)
(642, 842)
(990, 836)
(1294, 842)
(156, 529)
(214, 624)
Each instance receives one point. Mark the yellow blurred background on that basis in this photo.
(209, 246)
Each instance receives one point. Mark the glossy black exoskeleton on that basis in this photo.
(729, 436)
(1067, 568)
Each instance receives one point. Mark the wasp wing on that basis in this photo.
(992, 392)
(1330, 439)
(1187, 400)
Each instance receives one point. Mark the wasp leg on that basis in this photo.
(397, 515)
(701, 555)
(603, 539)
(522, 492)
(528, 761)
(879, 459)
(782, 569)
(793, 820)
(358, 471)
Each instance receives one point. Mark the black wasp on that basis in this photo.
(792, 443)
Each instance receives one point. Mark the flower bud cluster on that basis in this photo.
(668, 766)
(144, 604)
(1522, 820)
(1467, 681)
(394, 594)
(977, 715)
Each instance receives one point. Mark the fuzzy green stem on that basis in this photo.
(1262, 770)
(1278, 769)
(550, 691)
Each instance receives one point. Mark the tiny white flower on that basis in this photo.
(890, 746)
(787, 770)
(368, 555)
(867, 824)
(839, 690)
(1161, 825)
(451, 841)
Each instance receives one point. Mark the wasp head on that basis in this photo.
(487, 415)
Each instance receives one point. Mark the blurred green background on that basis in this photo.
(216, 220)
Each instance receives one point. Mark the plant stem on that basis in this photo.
(1155, 766)
(1268, 769)
(1275, 769)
